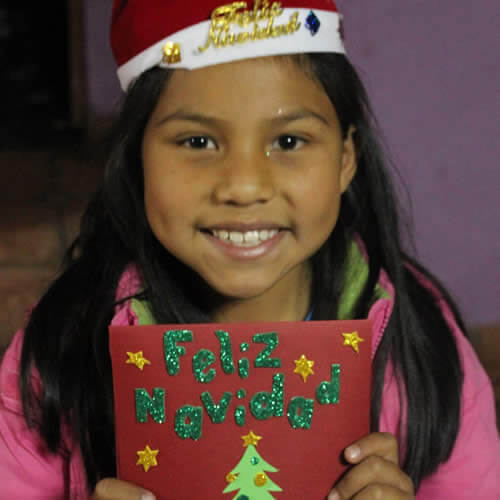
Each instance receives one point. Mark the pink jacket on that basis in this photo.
(27, 471)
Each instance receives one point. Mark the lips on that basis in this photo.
(245, 241)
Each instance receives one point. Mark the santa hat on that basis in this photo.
(195, 34)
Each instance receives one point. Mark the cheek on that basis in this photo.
(171, 202)
(318, 196)
(324, 212)
(154, 199)
(165, 221)
(161, 203)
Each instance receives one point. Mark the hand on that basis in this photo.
(114, 489)
(375, 472)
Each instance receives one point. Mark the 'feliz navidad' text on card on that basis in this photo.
(263, 356)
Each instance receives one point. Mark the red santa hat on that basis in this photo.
(195, 34)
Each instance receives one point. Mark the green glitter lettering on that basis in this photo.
(240, 415)
(264, 404)
(329, 392)
(243, 367)
(172, 351)
(216, 412)
(263, 360)
(188, 420)
(300, 412)
(244, 347)
(241, 394)
(145, 404)
(226, 353)
(278, 394)
(201, 361)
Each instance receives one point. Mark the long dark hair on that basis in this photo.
(66, 339)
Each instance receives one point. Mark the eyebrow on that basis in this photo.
(184, 115)
(187, 116)
(300, 114)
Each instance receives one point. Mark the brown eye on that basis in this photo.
(288, 143)
(199, 142)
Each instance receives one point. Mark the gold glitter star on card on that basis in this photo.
(303, 367)
(353, 339)
(137, 359)
(251, 438)
(147, 458)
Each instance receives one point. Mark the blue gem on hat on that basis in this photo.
(312, 23)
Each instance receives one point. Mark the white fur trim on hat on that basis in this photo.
(328, 38)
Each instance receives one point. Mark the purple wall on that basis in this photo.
(103, 88)
(433, 72)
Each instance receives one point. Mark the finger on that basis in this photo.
(382, 491)
(114, 489)
(372, 471)
(381, 444)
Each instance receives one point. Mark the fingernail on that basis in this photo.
(353, 452)
(147, 495)
(333, 495)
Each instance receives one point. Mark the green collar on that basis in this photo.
(355, 280)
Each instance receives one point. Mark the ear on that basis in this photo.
(349, 162)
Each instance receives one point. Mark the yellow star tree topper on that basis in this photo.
(303, 367)
(251, 438)
(147, 458)
(137, 359)
(353, 339)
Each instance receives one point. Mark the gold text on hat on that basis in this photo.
(258, 21)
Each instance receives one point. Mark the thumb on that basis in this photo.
(114, 489)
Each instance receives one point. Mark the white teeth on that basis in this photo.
(236, 237)
(251, 237)
(248, 238)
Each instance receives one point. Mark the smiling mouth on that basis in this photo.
(244, 239)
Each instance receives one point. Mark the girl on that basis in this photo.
(251, 190)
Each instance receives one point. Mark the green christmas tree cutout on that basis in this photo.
(249, 476)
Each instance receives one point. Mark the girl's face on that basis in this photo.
(244, 166)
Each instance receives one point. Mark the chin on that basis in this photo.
(242, 291)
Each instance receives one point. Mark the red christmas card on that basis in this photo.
(239, 411)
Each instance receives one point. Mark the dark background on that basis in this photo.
(35, 75)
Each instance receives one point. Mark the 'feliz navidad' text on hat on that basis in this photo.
(191, 35)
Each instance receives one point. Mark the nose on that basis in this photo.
(245, 178)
